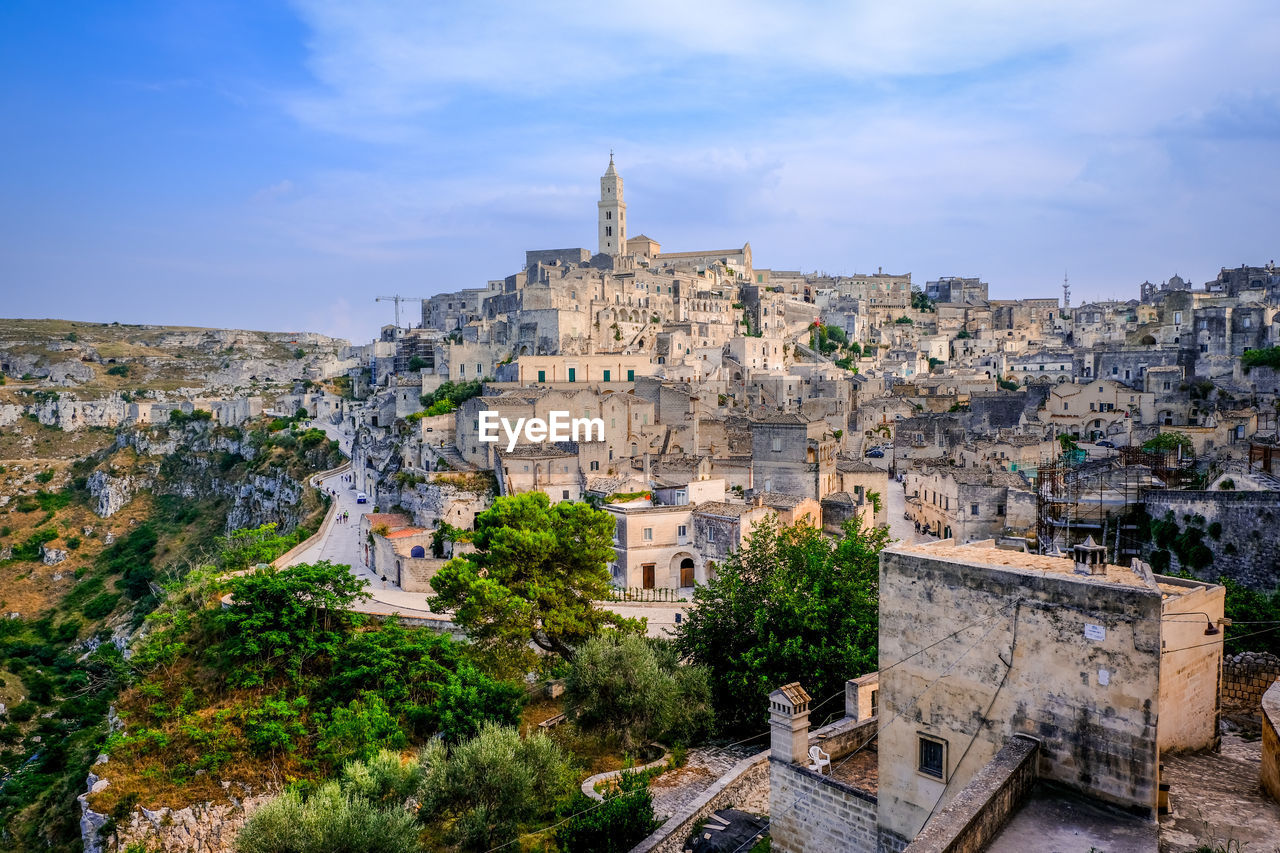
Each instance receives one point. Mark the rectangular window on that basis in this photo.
(564, 495)
(933, 755)
(631, 376)
(973, 509)
(608, 214)
(608, 231)
(606, 375)
(479, 369)
(777, 445)
(542, 376)
(648, 534)
(573, 374)
(999, 509)
(682, 531)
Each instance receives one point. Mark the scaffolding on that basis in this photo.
(1100, 498)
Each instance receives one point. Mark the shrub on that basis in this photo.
(100, 605)
(492, 782)
(329, 820)
(72, 543)
(118, 370)
(276, 725)
(620, 683)
(45, 476)
(1215, 529)
(359, 731)
(385, 779)
(623, 821)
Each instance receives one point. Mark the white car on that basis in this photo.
(362, 498)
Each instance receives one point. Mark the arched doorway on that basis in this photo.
(686, 572)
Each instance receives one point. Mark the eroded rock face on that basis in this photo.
(200, 827)
(51, 556)
(111, 494)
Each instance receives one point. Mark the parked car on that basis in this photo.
(875, 453)
(1102, 442)
(362, 498)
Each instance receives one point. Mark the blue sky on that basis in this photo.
(278, 165)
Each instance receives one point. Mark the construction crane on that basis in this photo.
(397, 300)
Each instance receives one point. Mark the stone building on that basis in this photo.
(962, 503)
(793, 455)
(1069, 672)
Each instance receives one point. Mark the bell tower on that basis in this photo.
(612, 213)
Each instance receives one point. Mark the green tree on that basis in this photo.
(279, 620)
(790, 605)
(920, 301)
(1168, 443)
(534, 576)
(491, 783)
(425, 678)
(618, 684)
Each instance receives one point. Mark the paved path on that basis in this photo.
(342, 545)
(899, 527)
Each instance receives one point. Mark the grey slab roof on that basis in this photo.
(720, 508)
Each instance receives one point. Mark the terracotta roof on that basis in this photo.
(408, 531)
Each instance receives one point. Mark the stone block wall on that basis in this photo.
(1246, 550)
(733, 789)
(1245, 678)
(1271, 742)
(808, 811)
(977, 814)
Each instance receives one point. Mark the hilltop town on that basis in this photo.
(984, 571)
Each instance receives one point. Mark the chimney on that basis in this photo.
(789, 723)
(1090, 557)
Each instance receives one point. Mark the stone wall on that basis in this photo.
(1271, 742)
(1246, 550)
(730, 790)
(1245, 678)
(977, 814)
(198, 828)
(1071, 632)
(808, 811)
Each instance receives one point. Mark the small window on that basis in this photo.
(777, 445)
(542, 376)
(608, 231)
(973, 509)
(1000, 509)
(564, 494)
(683, 531)
(648, 534)
(595, 464)
(606, 375)
(933, 754)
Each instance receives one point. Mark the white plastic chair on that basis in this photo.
(818, 759)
